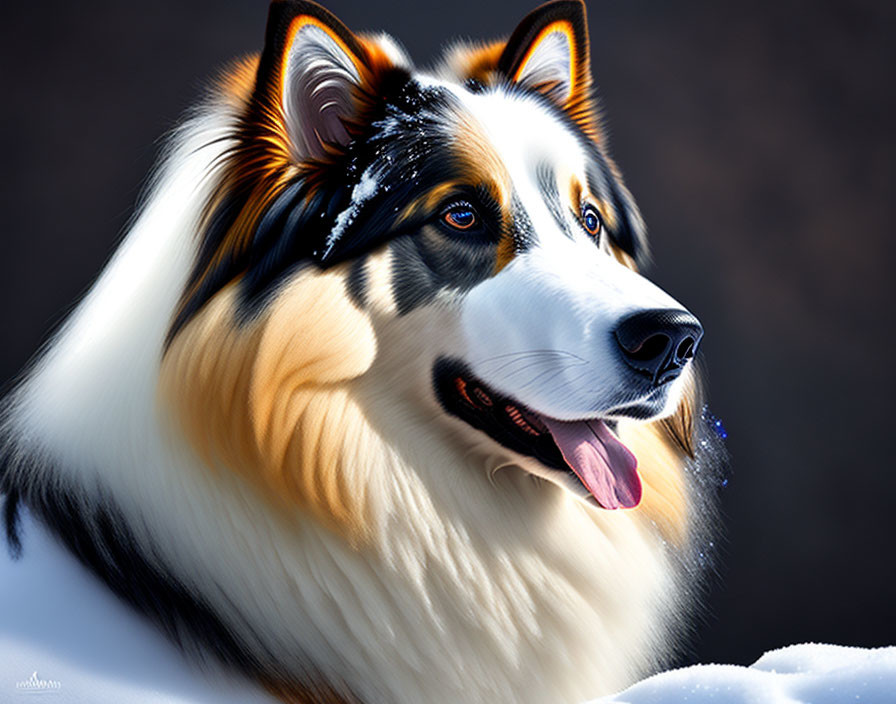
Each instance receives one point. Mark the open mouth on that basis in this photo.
(588, 450)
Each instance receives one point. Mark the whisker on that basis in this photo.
(526, 367)
(527, 353)
(534, 358)
(556, 372)
(569, 382)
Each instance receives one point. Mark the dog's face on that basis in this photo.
(473, 208)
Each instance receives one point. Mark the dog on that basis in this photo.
(372, 404)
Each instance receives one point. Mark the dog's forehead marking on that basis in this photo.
(534, 147)
(522, 130)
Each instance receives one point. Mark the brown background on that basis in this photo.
(759, 140)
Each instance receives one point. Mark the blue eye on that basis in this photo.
(460, 216)
(591, 220)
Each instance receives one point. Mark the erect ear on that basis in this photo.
(548, 53)
(314, 76)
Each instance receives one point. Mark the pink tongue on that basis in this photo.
(606, 467)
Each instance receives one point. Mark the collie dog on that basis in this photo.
(372, 403)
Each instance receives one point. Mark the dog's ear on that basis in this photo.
(314, 78)
(548, 53)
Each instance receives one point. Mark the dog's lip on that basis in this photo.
(586, 448)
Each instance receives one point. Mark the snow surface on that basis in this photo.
(65, 637)
(811, 673)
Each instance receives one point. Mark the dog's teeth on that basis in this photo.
(482, 397)
(461, 387)
(518, 419)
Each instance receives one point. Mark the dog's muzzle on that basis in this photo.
(659, 343)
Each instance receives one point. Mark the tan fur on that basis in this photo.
(661, 460)
(300, 694)
(575, 192)
(485, 168)
(237, 81)
(266, 398)
(378, 273)
(679, 427)
(475, 61)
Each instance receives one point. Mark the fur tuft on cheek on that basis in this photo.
(270, 399)
(665, 500)
(679, 427)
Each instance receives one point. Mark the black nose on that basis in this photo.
(659, 343)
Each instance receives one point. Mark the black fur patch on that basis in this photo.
(11, 518)
(522, 231)
(431, 260)
(356, 285)
(96, 532)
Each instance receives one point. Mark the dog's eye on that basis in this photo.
(460, 216)
(591, 220)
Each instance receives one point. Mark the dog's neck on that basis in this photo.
(469, 586)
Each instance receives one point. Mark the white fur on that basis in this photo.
(542, 330)
(550, 62)
(480, 585)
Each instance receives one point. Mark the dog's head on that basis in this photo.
(456, 241)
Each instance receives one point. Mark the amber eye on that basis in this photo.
(460, 216)
(591, 219)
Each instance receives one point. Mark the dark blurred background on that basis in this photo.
(760, 141)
